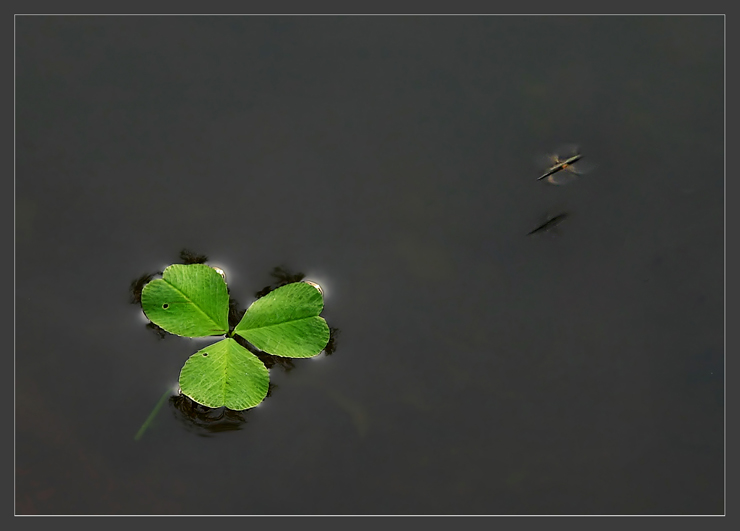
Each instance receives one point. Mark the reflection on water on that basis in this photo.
(282, 277)
(189, 257)
(137, 286)
(205, 421)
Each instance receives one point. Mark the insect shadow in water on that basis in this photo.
(550, 225)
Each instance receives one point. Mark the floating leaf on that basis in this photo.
(225, 374)
(189, 300)
(286, 322)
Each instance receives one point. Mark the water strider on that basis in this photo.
(562, 169)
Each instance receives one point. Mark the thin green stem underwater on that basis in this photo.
(153, 414)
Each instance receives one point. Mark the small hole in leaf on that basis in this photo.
(165, 306)
(205, 354)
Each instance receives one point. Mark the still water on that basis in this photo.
(477, 368)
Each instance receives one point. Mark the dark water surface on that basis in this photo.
(478, 370)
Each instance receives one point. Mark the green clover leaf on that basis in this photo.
(225, 374)
(189, 300)
(286, 322)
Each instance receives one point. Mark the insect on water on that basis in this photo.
(563, 166)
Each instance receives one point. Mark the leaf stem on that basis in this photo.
(153, 414)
